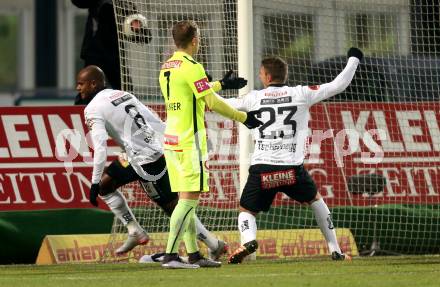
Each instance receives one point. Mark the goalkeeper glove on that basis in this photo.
(251, 121)
(94, 192)
(355, 52)
(229, 81)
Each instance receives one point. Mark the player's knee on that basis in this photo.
(107, 185)
(106, 190)
(242, 209)
(316, 198)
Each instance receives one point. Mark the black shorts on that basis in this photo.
(158, 191)
(265, 181)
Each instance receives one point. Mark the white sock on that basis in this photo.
(324, 220)
(247, 226)
(204, 235)
(118, 205)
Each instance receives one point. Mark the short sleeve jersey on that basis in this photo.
(183, 83)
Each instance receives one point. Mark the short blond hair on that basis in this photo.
(184, 32)
(276, 67)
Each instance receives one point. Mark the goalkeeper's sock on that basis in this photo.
(247, 226)
(190, 235)
(118, 205)
(180, 218)
(204, 235)
(324, 220)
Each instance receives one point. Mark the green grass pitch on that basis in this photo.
(372, 271)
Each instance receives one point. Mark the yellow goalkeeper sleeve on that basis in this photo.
(217, 104)
(216, 86)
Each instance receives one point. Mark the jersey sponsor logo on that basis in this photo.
(202, 85)
(171, 64)
(282, 100)
(171, 140)
(116, 95)
(122, 99)
(278, 178)
(269, 146)
(275, 94)
(314, 87)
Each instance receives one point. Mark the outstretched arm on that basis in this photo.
(217, 104)
(239, 103)
(198, 81)
(340, 83)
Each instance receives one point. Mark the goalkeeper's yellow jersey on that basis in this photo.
(183, 83)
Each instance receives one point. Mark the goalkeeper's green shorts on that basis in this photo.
(187, 171)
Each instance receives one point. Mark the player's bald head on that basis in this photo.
(92, 73)
(89, 82)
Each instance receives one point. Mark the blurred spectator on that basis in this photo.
(100, 42)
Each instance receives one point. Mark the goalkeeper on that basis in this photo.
(138, 131)
(186, 90)
(277, 161)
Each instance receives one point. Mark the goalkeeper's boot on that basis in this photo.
(243, 251)
(198, 259)
(152, 258)
(340, 256)
(140, 237)
(221, 249)
(173, 261)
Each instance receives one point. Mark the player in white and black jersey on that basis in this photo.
(277, 161)
(138, 131)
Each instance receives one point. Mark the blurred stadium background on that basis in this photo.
(398, 85)
(40, 42)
